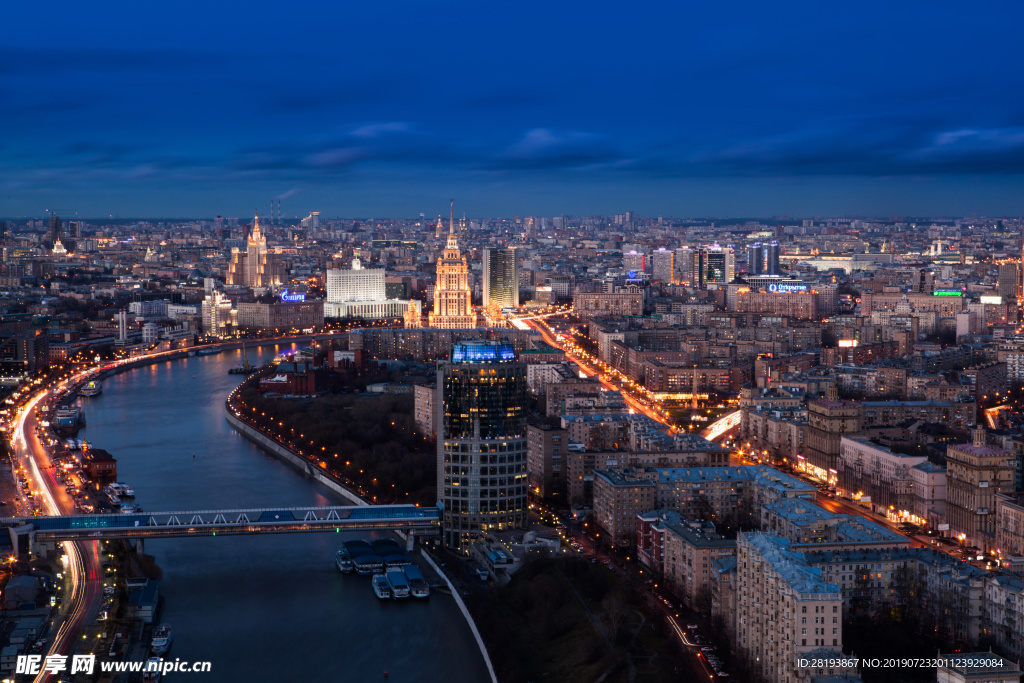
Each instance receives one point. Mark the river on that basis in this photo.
(268, 608)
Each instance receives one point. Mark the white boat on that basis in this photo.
(122, 489)
(162, 639)
(153, 671)
(128, 509)
(343, 561)
(381, 587)
(93, 388)
(398, 583)
(418, 585)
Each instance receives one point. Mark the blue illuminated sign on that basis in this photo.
(632, 274)
(285, 296)
(786, 287)
(483, 353)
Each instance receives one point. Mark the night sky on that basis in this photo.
(531, 108)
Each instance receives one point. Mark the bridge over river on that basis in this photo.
(413, 520)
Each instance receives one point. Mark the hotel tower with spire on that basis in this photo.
(453, 308)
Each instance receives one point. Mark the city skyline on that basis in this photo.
(668, 111)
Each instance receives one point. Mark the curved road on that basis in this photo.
(82, 563)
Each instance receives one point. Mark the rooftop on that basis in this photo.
(790, 566)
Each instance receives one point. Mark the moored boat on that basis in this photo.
(163, 636)
(381, 587)
(418, 585)
(398, 583)
(343, 561)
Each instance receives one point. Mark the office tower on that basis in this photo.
(501, 278)
(1008, 280)
(663, 265)
(481, 441)
(453, 308)
(714, 264)
(54, 233)
(755, 259)
(923, 281)
(773, 258)
(634, 263)
(684, 265)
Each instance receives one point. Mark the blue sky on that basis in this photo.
(531, 108)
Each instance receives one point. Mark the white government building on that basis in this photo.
(359, 293)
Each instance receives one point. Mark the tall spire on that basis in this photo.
(451, 220)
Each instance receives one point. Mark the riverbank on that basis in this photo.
(292, 458)
(313, 470)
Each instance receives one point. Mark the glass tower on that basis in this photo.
(481, 441)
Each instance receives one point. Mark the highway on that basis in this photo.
(638, 405)
(82, 575)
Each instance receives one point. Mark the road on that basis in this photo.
(82, 573)
(634, 403)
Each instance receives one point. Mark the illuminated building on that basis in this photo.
(663, 266)
(255, 267)
(360, 293)
(481, 441)
(453, 308)
(501, 278)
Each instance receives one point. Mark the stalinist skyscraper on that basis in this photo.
(453, 308)
(255, 267)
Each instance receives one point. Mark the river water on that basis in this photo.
(268, 608)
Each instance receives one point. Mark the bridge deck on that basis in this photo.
(231, 522)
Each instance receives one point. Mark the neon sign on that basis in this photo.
(285, 296)
(632, 274)
(786, 287)
(947, 292)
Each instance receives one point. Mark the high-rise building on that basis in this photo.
(684, 259)
(452, 297)
(357, 284)
(634, 263)
(312, 221)
(772, 258)
(663, 266)
(481, 441)
(755, 259)
(255, 267)
(1007, 287)
(54, 232)
(501, 278)
(714, 264)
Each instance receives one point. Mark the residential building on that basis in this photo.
(976, 472)
(547, 448)
(784, 609)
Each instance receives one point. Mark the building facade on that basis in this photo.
(975, 473)
(481, 441)
(501, 278)
(453, 308)
(255, 267)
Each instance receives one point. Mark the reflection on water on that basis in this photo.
(271, 608)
